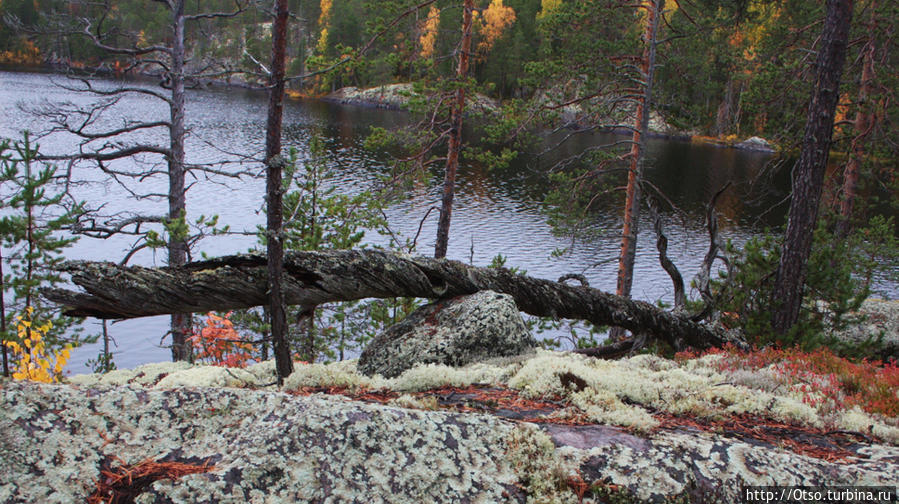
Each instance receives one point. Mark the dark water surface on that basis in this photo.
(496, 212)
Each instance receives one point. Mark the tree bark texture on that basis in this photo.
(863, 124)
(315, 277)
(455, 136)
(637, 154)
(274, 211)
(177, 246)
(808, 179)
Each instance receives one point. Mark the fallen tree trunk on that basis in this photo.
(311, 278)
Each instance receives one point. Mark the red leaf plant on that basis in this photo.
(217, 343)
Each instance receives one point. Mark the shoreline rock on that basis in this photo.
(396, 97)
(757, 144)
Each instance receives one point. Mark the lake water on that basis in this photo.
(495, 212)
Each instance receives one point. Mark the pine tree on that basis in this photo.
(35, 213)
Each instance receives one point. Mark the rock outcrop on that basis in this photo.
(879, 327)
(755, 144)
(398, 96)
(271, 447)
(551, 428)
(390, 96)
(454, 332)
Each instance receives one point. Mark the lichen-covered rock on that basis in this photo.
(144, 375)
(454, 332)
(265, 446)
(879, 325)
(272, 447)
(755, 144)
(626, 392)
(209, 376)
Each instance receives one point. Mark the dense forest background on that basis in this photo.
(739, 67)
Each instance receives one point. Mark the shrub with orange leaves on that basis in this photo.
(30, 356)
(823, 378)
(217, 343)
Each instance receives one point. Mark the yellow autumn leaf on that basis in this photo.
(428, 37)
(497, 17)
(31, 359)
(547, 7)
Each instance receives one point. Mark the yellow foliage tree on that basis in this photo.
(497, 17)
(428, 37)
(547, 7)
(30, 357)
(323, 20)
(29, 55)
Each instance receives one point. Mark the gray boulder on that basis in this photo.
(879, 326)
(755, 144)
(454, 332)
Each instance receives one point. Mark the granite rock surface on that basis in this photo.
(271, 446)
(454, 332)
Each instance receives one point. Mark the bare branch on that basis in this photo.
(111, 155)
(130, 225)
(218, 15)
(96, 39)
(703, 277)
(88, 87)
(680, 297)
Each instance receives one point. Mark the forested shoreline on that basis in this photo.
(734, 68)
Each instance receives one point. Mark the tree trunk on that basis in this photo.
(455, 139)
(177, 246)
(725, 116)
(864, 123)
(311, 278)
(306, 328)
(627, 256)
(808, 179)
(3, 318)
(275, 217)
(635, 172)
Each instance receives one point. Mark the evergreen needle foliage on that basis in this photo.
(36, 212)
(839, 280)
